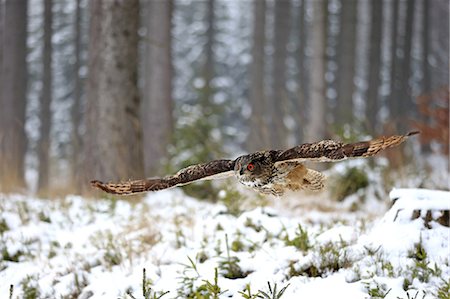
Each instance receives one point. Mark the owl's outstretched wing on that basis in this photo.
(331, 151)
(216, 169)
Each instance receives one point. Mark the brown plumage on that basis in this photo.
(268, 172)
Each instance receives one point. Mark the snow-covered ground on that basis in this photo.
(85, 248)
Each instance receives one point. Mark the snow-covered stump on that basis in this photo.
(429, 205)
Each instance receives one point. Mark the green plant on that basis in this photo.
(329, 258)
(376, 290)
(3, 226)
(213, 288)
(247, 294)
(300, 241)
(415, 296)
(273, 294)
(147, 291)
(349, 183)
(232, 200)
(230, 265)
(443, 291)
(30, 288)
(44, 217)
(187, 280)
(112, 250)
(6, 256)
(421, 269)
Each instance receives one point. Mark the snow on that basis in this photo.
(98, 248)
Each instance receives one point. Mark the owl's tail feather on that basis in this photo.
(313, 180)
(124, 188)
(373, 147)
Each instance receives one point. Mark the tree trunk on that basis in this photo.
(14, 80)
(116, 152)
(426, 45)
(302, 94)
(208, 68)
(157, 106)
(280, 97)
(372, 106)
(405, 95)
(91, 156)
(45, 101)
(259, 135)
(316, 127)
(346, 67)
(394, 80)
(76, 113)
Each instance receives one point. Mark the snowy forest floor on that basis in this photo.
(305, 246)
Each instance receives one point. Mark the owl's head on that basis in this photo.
(254, 169)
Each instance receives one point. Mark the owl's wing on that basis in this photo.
(331, 151)
(216, 169)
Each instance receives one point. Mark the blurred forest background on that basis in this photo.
(118, 89)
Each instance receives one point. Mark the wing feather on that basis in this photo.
(216, 169)
(331, 151)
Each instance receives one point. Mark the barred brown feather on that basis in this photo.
(268, 172)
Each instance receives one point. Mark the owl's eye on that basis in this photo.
(251, 166)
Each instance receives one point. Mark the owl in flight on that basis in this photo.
(268, 172)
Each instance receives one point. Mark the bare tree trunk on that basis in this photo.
(280, 97)
(157, 106)
(1, 62)
(119, 127)
(113, 145)
(426, 43)
(302, 94)
(394, 102)
(208, 69)
(372, 106)
(91, 156)
(76, 106)
(405, 94)
(346, 67)
(259, 135)
(317, 126)
(426, 68)
(45, 101)
(14, 79)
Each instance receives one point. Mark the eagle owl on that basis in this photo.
(268, 172)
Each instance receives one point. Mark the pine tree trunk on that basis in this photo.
(91, 156)
(259, 135)
(426, 45)
(346, 60)
(76, 106)
(317, 125)
(426, 68)
(1, 63)
(45, 101)
(406, 97)
(157, 106)
(208, 68)
(372, 106)
(401, 97)
(280, 97)
(302, 94)
(115, 150)
(395, 85)
(14, 79)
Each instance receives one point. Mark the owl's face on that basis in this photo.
(254, 170)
